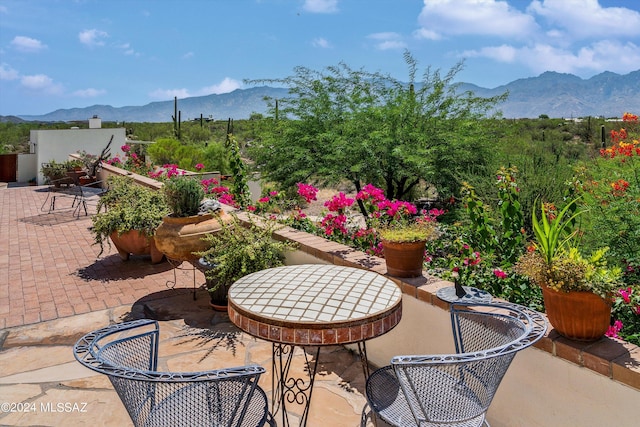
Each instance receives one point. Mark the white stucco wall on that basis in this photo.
(58, 144)
(26, 168)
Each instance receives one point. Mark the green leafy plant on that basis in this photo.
(127, 206)
(183, 195)
(554, 263)
(553, 232)
(570, 271)
(72, 164)
(54, 170)
(239, 185)
(237, 250)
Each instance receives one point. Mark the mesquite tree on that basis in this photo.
(364, 127)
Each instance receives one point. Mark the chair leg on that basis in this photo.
(368, 415)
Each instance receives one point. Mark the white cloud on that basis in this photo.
(586, 19)
(8, 73)
(27, 44)
(321, 42)
(388, 40)
(321, 6)
(225, 86)
(423, 33)
(188, 55)
(41, 83)
(89, 93)
(92, 37)
(476, 17)
(164, 94)
(127, 49)
(601, 56)
(502, 53)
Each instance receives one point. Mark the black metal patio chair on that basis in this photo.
(80, 195)
(128, 354)
(454, 389)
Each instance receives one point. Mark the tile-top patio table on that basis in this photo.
(312, 305)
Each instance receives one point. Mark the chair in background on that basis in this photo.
(454, 389)
(128, 354)
(80, 195)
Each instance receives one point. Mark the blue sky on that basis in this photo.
(77, 53)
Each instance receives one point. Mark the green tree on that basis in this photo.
(344, 124)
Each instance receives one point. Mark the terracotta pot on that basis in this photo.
(135, 242)
(179, 237)
(580, 316)
(404, 259)
(84, 180)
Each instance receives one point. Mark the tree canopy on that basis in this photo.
(344, 124)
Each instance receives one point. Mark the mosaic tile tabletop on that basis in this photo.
(302, 298)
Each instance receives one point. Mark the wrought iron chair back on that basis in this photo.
(128, 354)
(455, 389)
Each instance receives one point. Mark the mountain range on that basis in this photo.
(553, 94)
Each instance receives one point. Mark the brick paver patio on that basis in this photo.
(49, 267)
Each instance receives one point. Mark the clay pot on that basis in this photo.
(85, 180)
(580, 316)
(136, 243)
(404, 259)
(179, 237)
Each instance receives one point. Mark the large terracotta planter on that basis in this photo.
(404, 259)
(581, 316)
(179, 237)
(136, 243)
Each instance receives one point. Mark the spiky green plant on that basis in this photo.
(183, 195)
(552, 235)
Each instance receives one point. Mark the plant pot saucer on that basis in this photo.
(219, 306)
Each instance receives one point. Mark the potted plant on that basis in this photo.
(237, 250)
(131, 216)
(74, 165)
(577, 290)
(181, 232)
(54, 172)
(403, 244)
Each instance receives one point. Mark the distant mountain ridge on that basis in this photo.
(554, 94)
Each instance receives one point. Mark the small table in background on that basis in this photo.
(312, 305)
(468, 295)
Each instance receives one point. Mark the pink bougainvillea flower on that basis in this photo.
(199, 166)
(264, 200)
(499, 273)
(339, 202)
(273, 193)
(307, 192)
(625, 294)
(614, 329)
(126, 148)
(612, 332)
(371, 193)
